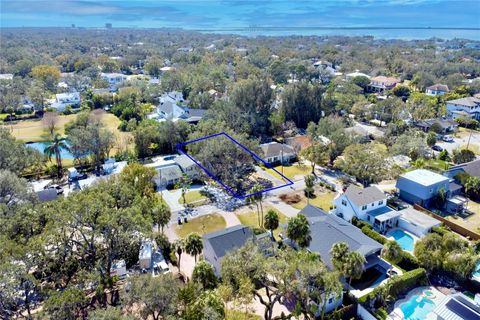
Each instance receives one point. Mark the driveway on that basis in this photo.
(460, 139)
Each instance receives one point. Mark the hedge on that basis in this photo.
(374, 235)
(409, 262)
(399, 285)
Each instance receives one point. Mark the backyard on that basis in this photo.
(250, 218)
(322, 198)
(473, 221)
(201, 225)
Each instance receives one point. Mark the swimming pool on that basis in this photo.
(40, 146)
(417, 307)
(476, 272)
(404, 240)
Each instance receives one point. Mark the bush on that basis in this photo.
(381, 314)
(408, 262)
(360, 223)
(440, 230)
(374, 235)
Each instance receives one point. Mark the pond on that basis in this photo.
(40, 146)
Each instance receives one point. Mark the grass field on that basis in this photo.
(193, 197)
(251, 219)
(201, 225)
(291, 171)
(323, 199)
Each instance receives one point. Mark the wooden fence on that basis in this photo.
(452, 225)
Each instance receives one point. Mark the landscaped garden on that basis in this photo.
(201, 225)
(322, 198)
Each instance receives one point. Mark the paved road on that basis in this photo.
(461, 141)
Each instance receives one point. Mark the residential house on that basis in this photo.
(171, 108)
(446, 125)
(416, 221)
(62, 100)
(471, 168)
(464, 107)
(171, 168)
(381, 84)
(274, 152)
(368, 204)
(437, 90)
(299, 142)
(421, 186)
(218, 243)
(328, 229)
(350, 76)
(457, 306)
(114, 79)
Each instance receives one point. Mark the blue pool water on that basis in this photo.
(404, 240)
(417, 307)
(40, 146)
(476, 272)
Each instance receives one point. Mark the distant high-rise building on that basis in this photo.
(108, 25)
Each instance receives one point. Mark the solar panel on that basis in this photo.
(461, 310)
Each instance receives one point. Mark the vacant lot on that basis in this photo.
(323, 199)
(201, 225)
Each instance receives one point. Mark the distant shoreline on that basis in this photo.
(385, 33)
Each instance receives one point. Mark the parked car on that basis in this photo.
(447, 139)
(437, 148)
(56, 187)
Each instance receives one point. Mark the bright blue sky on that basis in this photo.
(223, 14)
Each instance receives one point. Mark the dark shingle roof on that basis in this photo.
(47, 195)
(365, 196)
(328, 229)
(228, 239)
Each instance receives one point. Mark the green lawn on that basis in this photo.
(435, 163)
(290, 171)
(201, 225)
(193, 197)
(323, 200)
(251, 219)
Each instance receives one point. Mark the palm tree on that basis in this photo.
(194, 245)
(392, 252)
(309, 183)
(162, 215)
(55, 148)
(179, 246)
(339, 252)
(353, 268)
(271, 220)
(298, 230)
(257, 197)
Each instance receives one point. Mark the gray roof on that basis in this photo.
(468, 101)
(274, 149)
(438, 87)
(418, 218)
(328, 229)
(457, 307)
(47, 195)
(184, 162)
(228, 239)
(444, 123)
(472, 168)
(361, 197)
(170, 172)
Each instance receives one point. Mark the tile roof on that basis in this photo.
(299, 142)
(361, 197)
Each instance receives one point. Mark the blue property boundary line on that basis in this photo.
(180, 148)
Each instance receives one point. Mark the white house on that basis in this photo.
(114, 79)
(437, 90)
(171, 108)
(62, 100)
(274, 152)
(464, 107)
(171, 168)
(368, 204)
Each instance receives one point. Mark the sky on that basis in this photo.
(249, 15)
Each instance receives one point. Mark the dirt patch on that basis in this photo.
(290, 198)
